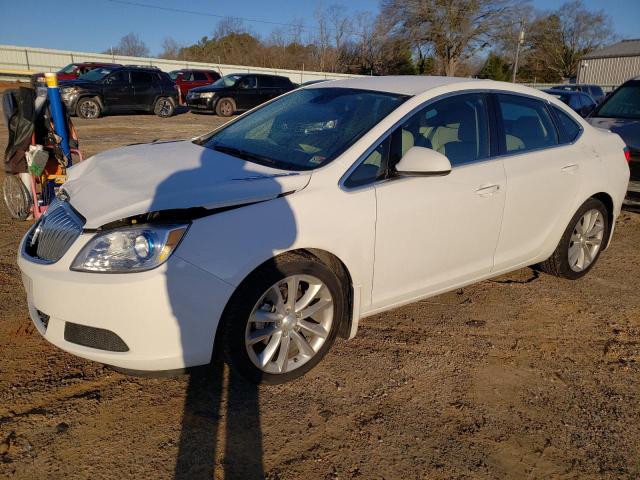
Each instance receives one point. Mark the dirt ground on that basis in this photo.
(523, 377)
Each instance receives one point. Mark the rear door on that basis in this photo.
(117, 91)
(146, 88)
(542, 178)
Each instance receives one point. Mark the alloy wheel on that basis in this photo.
(586, 240)
(89, 109)
(289, 324)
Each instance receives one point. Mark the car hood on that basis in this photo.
(159, 176)
(76, 83)
(628, 129)
(207, 88)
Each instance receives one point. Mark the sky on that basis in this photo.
(95, 25)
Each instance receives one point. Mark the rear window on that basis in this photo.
(568, 128)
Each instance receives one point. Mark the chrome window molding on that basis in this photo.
(413, 111)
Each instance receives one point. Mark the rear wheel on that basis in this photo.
(88, 108)
(164, 107)
(225, 107)
(582, 242)
(17, 198)
(283, 319)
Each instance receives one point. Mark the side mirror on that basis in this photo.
(423, 162)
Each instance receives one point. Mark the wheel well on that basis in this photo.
(95, 97)
(334, 263)
(608, 203)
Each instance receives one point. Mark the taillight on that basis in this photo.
(627, 154)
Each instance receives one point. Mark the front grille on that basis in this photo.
(94, 337)
(54, 233)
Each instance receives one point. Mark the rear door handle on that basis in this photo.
(570, 168)
(487, 190)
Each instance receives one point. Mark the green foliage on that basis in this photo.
(496, 68)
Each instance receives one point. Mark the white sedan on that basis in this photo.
(283, 228)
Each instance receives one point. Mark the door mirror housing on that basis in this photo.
(423, 162)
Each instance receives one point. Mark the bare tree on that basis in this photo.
(131, 45)
(229, 25)
(171, 49)
(340, 25)
(452, 31)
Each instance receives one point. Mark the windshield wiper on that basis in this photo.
(245, 155)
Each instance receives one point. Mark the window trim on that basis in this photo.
(496, 133)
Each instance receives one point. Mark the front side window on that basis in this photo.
(527, 124)
(248, 83)
(623, 103)
(456, 126)
(117, 78)
(305, 129)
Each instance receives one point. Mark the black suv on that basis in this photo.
(119, 89)
(237, 92)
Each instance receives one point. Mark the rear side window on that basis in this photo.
(568, 128)
(282, 82)
(527, 124)
(596, 91)
(200, 76)
(267, 82)
(141, 78)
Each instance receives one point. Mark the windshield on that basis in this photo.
(623, 103)
(97, 74)
(305, 129)
(226, 81)
(174, 74)
(68, 69)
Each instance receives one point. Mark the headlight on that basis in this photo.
(207, 94)
(130, 249)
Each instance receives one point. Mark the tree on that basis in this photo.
(558, 39)
(171, 49)
(130, 45)
(496, 67)
(452, 31)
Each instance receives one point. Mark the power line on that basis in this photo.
(207, 14)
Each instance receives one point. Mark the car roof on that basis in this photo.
(418, 84)
(560, 91)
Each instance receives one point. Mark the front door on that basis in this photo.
(436, 232)
(247, 93)
(117, 92)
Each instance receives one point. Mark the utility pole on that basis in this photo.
(520, 42)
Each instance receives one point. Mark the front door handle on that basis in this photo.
(570, 168)
(487, 190)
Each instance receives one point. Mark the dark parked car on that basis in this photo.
(72, 71)
(594, 91)
(188, 78)
(578, 101)
(620, 113)
(237, 92)
(117, 89)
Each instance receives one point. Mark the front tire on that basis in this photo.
(225, 107)
(88, 108)
(582, 242)
(272, 337)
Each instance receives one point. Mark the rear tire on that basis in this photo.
(88, 108)
(254, 299)
(17, 197)
(164, 107)
(225, 107)
(582, 242)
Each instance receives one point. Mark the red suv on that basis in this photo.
(72, 71)
(188, 78)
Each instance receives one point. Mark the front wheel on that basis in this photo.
(225, 107)
(17, 197)
(88, 108)
(164, 107)
(582, 242)
(283, 319)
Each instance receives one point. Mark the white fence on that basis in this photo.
(19, 61)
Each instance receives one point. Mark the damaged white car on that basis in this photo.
(280, 230)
